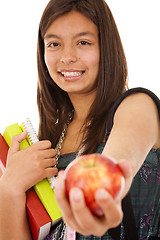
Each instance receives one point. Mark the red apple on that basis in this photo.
(91, 172)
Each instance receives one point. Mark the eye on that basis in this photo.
(84, 43)
(54, 44)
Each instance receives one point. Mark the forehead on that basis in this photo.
(72, 22)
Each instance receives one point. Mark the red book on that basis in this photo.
(3, 154)
(39, 220)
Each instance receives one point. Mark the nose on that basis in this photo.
(69, 56)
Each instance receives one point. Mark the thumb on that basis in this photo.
(16, 140)
(126, 168)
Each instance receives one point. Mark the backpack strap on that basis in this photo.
(129, 222)
(115, 232)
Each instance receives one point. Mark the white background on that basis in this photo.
(138, 22)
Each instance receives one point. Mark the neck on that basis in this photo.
(82, 105)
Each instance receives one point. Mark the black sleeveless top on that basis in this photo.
(141, 206)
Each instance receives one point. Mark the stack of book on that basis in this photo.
(42, 209)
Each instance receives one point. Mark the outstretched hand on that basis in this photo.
(77, 215)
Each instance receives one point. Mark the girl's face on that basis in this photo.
(72, 53)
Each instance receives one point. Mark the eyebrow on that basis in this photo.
(48, 36)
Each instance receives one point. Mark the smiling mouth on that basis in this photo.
(71, 74)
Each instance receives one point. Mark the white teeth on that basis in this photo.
(71, 74)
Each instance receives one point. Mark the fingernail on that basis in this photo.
(101, 194)
(24, 132)
(76, 194)
(60, 173)
(57, 184)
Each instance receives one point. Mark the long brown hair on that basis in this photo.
(54, 103)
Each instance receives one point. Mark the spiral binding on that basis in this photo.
(32, 138)
(27, 125)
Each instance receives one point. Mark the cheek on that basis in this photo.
(49, 61)
(96, 58)
(93, 59)
(96, 63)
(93, 62)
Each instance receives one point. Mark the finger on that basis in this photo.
(126, 168)
(42, 145)
(61, 174)
(61, 198)
(67, 213)
(78, 206)
(50, 172)
(112, 210)
(49, 163)
(48, 153)
(60, 194)
(66, 209)
(16, 140)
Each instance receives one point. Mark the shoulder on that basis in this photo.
(135, 94)
(139, 111)
(137, 103)
(133, 97)
(136, 99)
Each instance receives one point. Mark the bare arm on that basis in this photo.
(135, 131)
(13, 219)
(24, 169)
